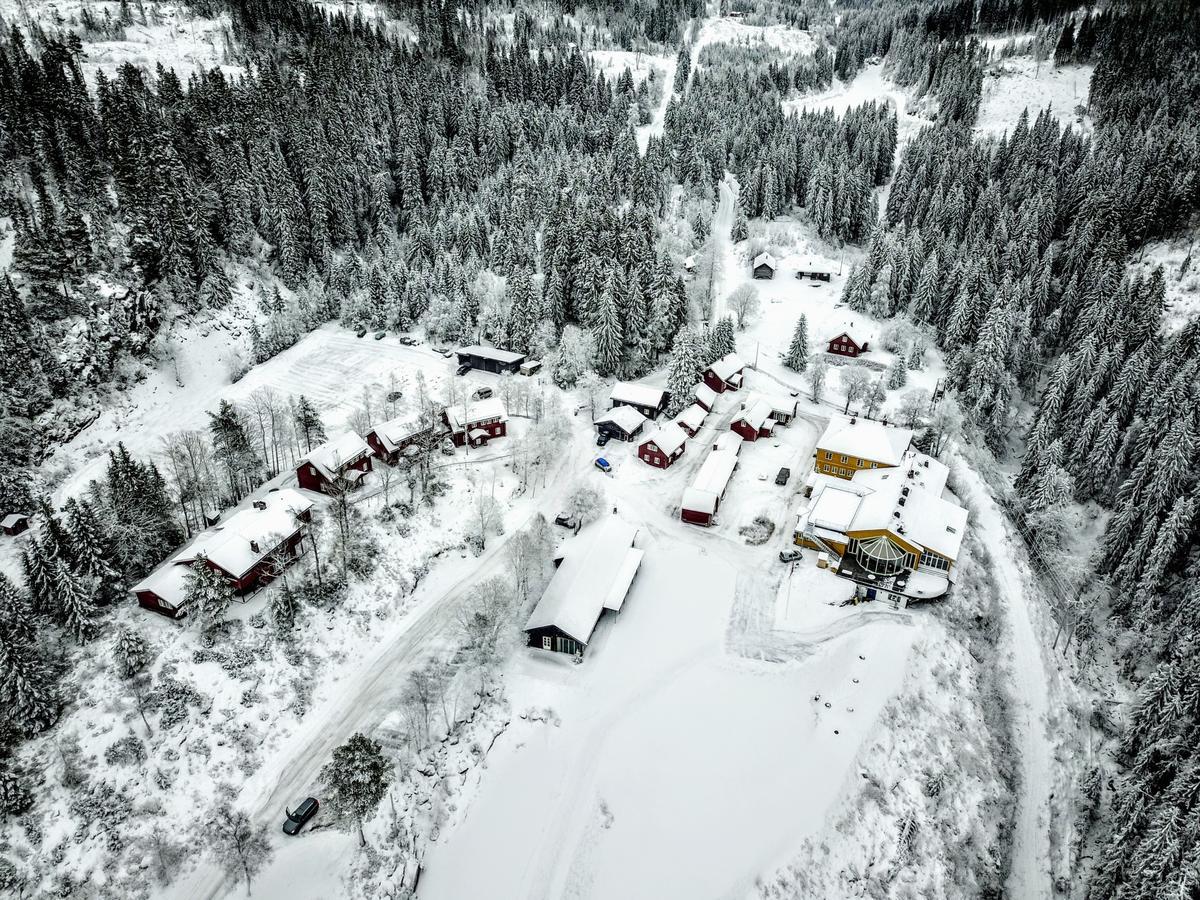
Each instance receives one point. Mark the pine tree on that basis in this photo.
(741, 228)
(897, 374)
(132, 653)
(357, 778)
(39, 577)
(610, 342)
(76, 598)
(308, 424)
(89, 551)
(721, 340)
(796, 357)
(684, 369)
(207, 595)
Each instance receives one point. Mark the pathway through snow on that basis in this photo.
(1029, 877)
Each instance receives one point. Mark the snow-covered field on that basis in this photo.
(1022, 83)
(612, 63)
(162, 33)
(1183, 287)
(787, 40)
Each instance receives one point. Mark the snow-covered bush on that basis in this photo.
(125, 751)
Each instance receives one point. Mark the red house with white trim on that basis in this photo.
(844, 345)
(477, 422)
(389, 439)
(664, 446)
(754, 421)
(725, 374)
(341, 462)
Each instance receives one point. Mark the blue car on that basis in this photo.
(603, 465)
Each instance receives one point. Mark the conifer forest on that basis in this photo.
(367, 372)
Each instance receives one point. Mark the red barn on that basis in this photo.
(663, 447)
(844, 345)
(340, 462)
(248, 550)
(703, 498)
(754, 421)
(725, 374)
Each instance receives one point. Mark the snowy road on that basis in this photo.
(1029, 877)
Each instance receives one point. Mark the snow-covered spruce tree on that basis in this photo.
(796, 357)
(39, 577)
(207, 595)
(27, 686)
(684, 369)
(131, 652)
(610, 342)
(740, 229)
(76, 600)
(720, 340)
(309, 428)
(897, 374)
(90, 550)
(357, 779)
(818, 372)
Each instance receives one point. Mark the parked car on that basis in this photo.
(362, 332)
(442, 350)
(784, 474)
(393, 396)
(603, 465)
(463, 369)
(380, 335)
(602, 438)
(482, 393)
(446, 353)
(297, 818)
(788, 556)
(566, 521)
(408, 341)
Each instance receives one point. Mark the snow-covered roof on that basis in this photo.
(727, 366)
(502, 356)
(865, 439)
(697, 500)
(668, 437)
(714, 474)
(168, 582)
(764, 258)
(706, 395)
(12, 520)
(597, 569)
(231, 544)
(337, 453)
(626, 418)
(756, 414)
(915, 468)
(834, 508)
(636, 392)
(783, 406)
(394, 432)
(461, 418)
(693, 417)
(728, 441)
(689, 262)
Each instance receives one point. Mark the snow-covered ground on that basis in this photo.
(1022, 83)
(162, 33)
(612, 63)
(783, 38)
(1183, 287)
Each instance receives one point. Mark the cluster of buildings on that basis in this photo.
(876, 512)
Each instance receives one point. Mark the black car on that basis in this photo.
(602, 438)
(463, 369)
(565, 520)
(297, 818)
(784, 474)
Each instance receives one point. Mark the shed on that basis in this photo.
(621, 422)
(730, 441)
(596, 571)
(782, 409)
(14, 524)
(646, 399)
(531, 367)
(490, 359)
(764, 266)
(340, 462)
(664, 446)
(703, 498)
(845, 345)
(813, 271)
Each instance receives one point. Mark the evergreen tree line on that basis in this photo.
(1015, 250)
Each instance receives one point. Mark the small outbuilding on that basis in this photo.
(814, 272)
(477, 422)
(728, 440)
(338, 463)
(725, 374)
(490, 359)
(649, 401)
(531, 367)
(624, 423)
(664, 446)
(14, 523)
(595, 571)
(764, 266)
(844, 345)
